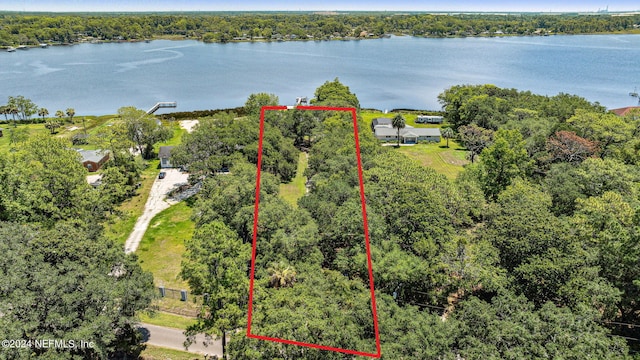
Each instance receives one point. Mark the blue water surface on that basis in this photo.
(400, 72)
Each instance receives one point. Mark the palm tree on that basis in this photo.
(281, 275)
(4, 111)
(60, 114)
(13, 111)
(70, 113)
(398, 122)
(52, 125)
(448, 133)
(43, 112)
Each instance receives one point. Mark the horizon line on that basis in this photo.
(598, 12)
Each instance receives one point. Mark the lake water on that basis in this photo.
(400, 72)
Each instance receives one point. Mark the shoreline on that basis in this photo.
(17, 48)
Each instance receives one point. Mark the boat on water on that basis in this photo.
(11, 49)
(22, 47)
(43, 45)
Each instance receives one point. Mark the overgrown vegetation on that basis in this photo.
(529, 243)
(62, 278)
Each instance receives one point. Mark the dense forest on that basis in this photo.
(532, 252)
(61, 276)
(32, 29)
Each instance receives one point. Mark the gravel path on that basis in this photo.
(155, 204)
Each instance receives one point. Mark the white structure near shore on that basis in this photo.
(408, 135)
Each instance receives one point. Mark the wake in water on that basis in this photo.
(135, 64)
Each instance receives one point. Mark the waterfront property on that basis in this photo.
(408, 134)
(381, 122)
(93, 160)
(429, 119)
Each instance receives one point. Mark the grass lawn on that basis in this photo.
(295, 189)
(67, 130)
(167, 320)
(177, 134)
(160, 353)
(162, 246)
(31, 130)
(160, 252)
(120, 227)
(447, 161)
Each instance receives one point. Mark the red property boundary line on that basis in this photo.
(366, 235)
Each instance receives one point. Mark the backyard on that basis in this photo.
(447, 161)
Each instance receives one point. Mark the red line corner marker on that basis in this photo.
(366, 235)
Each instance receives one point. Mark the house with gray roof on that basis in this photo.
(408, 134)
(164, 154)
(93, 160)
(381, 122)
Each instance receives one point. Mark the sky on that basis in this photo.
(307, 5)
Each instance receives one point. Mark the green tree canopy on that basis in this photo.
(503, 161)
(44, 181)
(61, 284)
(255, 102)
(216, 264)
(334, 93)
(143, 129)
(24, 107)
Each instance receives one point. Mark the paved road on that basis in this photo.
(174, 339)
(155, 204)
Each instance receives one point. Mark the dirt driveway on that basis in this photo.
(188, 124)
(156, 202)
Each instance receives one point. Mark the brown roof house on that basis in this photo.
(625, 110)
(93, 160)
(164, 153)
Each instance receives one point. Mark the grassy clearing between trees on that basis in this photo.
(167, 320)
(160, 353)
(447, 161)
(162, 246)
(160, 252)
(295, 189)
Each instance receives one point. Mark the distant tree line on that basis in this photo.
(25, 29)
